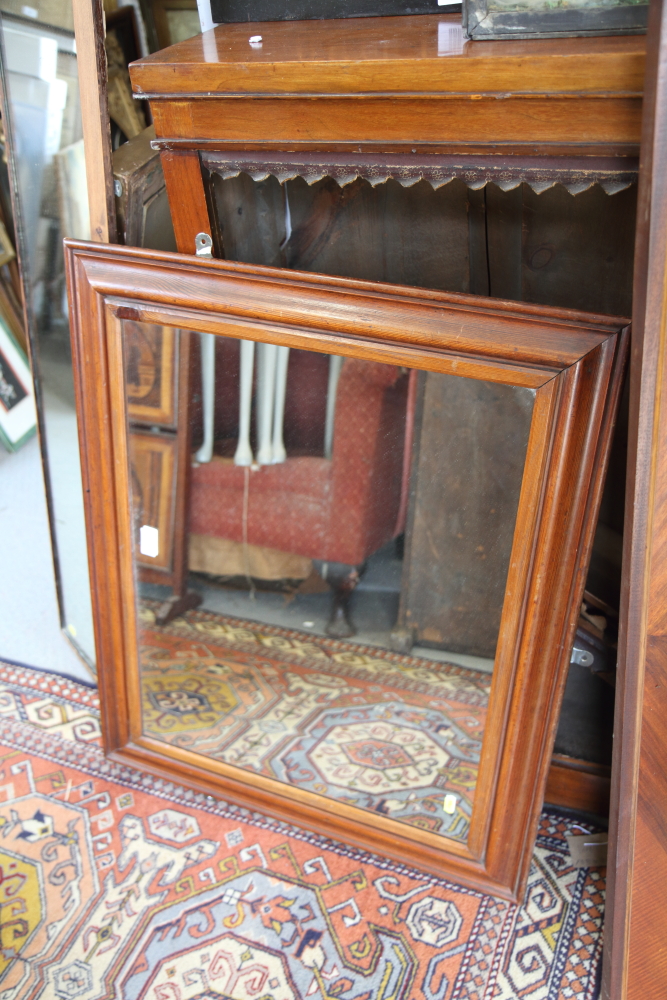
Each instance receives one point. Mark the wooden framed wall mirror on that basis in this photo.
(438, 755)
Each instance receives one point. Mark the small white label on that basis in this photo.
(255, 41)
(449, 805)
(149, 544)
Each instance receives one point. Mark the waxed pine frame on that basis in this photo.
(573, 361)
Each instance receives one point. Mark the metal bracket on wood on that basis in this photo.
(582, 656)
(203, 245)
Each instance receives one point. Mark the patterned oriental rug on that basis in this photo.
(360, 724)
(114, 884)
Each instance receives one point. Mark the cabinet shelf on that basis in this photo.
(395, 83)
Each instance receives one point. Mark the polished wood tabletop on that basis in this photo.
(417, 55)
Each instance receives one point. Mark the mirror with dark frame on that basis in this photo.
(388, 495)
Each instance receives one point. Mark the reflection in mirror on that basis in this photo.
(348, 535)
(42, 126)
(42, 123)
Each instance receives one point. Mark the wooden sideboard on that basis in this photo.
(395, 92)
(411, 83)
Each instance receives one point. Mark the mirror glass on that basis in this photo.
(347, 536)
(43, 162)
(44, 147)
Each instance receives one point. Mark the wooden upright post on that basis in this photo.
(635, 962)
(92, 64)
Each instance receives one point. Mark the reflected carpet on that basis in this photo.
(117, 884)
(372, 728)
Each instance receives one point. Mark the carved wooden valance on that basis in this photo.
(613, 174)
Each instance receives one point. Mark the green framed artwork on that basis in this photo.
(18, 414)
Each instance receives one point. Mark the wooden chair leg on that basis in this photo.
(342, 579)
(177, 605)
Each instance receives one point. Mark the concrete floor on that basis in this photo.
(30, 631)
(374, 607)
(66, 490)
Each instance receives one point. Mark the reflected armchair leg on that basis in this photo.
(342, 580)
(177, 605)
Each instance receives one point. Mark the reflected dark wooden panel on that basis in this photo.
(578, 784)
(470, 446)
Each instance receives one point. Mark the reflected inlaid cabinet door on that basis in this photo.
(151, 370)
(403, 697)
(151, 366)
(153, 472)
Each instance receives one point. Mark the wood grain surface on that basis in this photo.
(578, 784)
(399, 82)
(511, 244)
(574, 363)
(153, 471)
(142, 208)
(260, 300)
(388, 55)
(304, 122)
(187, 199)
(635, 962)
(165, 357)
(92, 68)
(151, 358)
(190, 216)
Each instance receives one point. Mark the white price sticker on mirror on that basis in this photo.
(449, 805)
(149, 541)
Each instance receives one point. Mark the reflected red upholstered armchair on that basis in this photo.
(339, 510)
